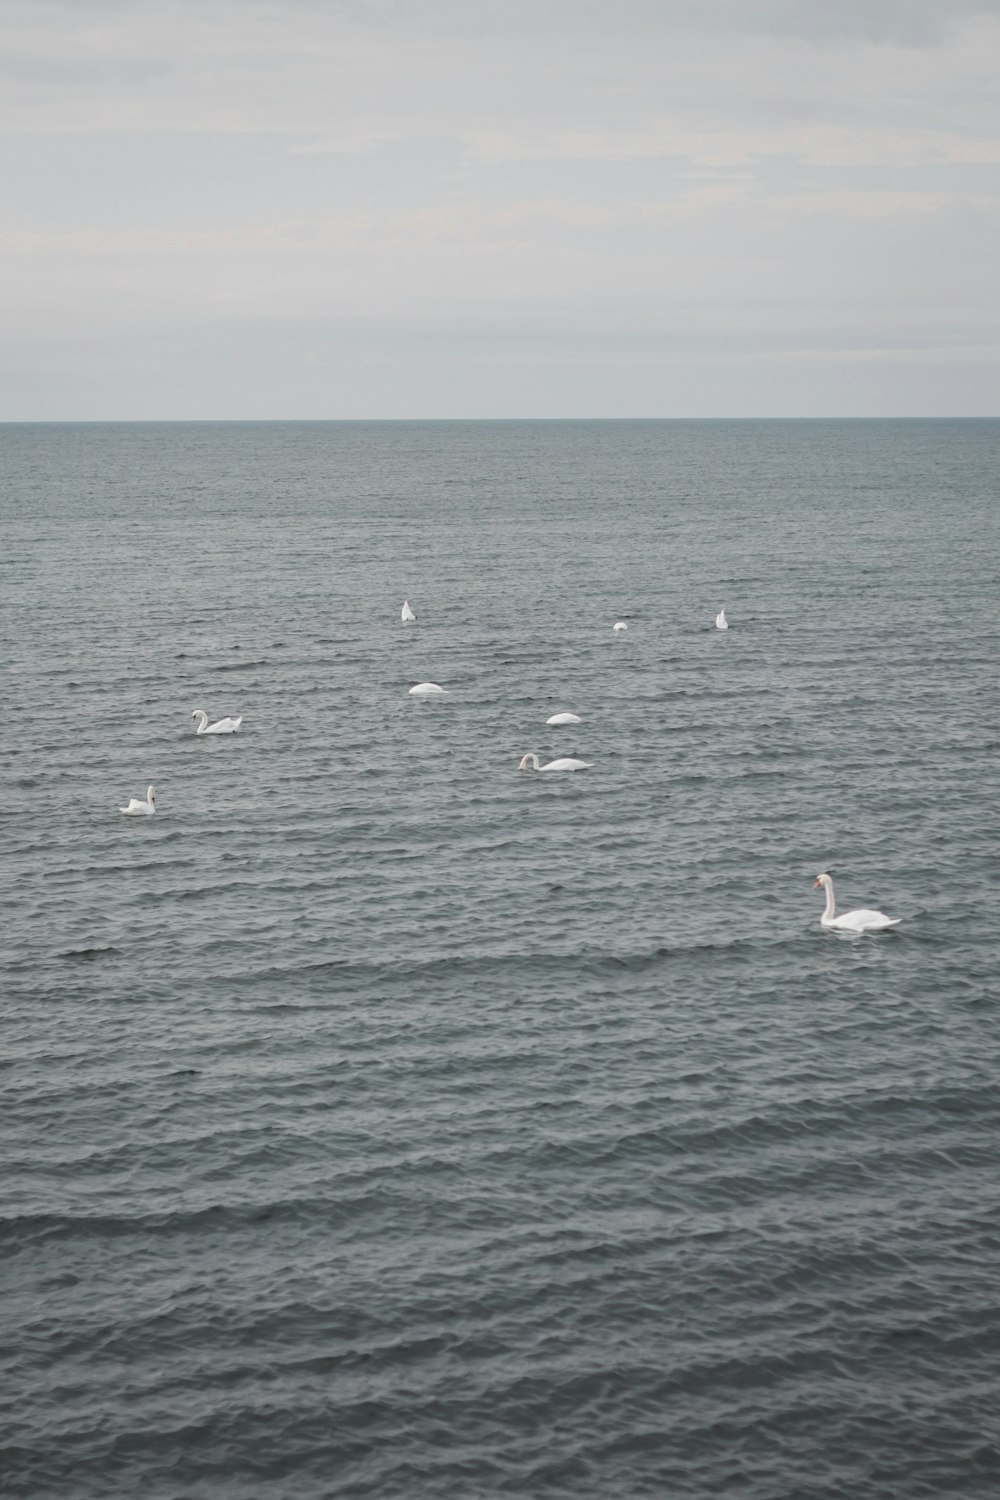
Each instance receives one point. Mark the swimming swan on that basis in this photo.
(620, 625)
(426, 690)
(139, 809)
(862, 920)
(530, 762)
(564, 719)
(221, 726)
(406, 613)
(721, 623)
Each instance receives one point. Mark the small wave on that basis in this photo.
(88, 955)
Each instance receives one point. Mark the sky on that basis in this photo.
(238, 209)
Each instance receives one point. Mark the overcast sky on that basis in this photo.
(538, 208)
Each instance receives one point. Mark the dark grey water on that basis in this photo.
(381, 1122)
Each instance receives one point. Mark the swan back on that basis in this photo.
(564, 719)
(136, 808)
(721, 623)
(619, 625)
(426, 690)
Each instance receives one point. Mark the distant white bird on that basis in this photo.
(619, 625)
(406, 613)
(426, 690)
(861, 920)
(139, 809)
(721, 623)
(564, 719)
(530, 762)
(221, 726)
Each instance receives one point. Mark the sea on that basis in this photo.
(382, 1121)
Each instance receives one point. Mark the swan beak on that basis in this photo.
(816, 882)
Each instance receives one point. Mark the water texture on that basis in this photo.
(382, 1122)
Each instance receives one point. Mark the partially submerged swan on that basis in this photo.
(619, 625)
(721, 623)
(861, 920)
(406, 613)
(221, 726)
(426, 690)
(530, 762)
(139, 809)
(564, 719)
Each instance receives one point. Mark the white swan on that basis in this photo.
(406, 613)
(530, 762)
(564, 719)
(862, 920)
(139, 809)
(426, 690)
(619, 625)
(721, 623)
(221, 726)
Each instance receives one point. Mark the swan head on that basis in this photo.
(823, 880)
(150, 796)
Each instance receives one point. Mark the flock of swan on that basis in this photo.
(144, 807)
(863, 919)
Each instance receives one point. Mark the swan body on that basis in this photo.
(564, 719)
(221, 726)
(530, 762)
(619, 625)
(137, 808)
(426, 690)
(406, 613)
(721, 623)
(861, 920)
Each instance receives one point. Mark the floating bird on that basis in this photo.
(619, 625)
(564, 719)
(862, 920)
(721, 623)
(406, 613)
(139, 809)
(530, 762)
(221, 726)
(426, 690)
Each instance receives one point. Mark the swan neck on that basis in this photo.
(531, 759)
(831, 900)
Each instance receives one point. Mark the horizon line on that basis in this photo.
(498, 421)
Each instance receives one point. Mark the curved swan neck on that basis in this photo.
(201, 716)
(531, 759)
(150, 796)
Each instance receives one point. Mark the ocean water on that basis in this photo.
(380, 1121)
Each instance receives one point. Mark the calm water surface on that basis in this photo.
(381, 1122)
